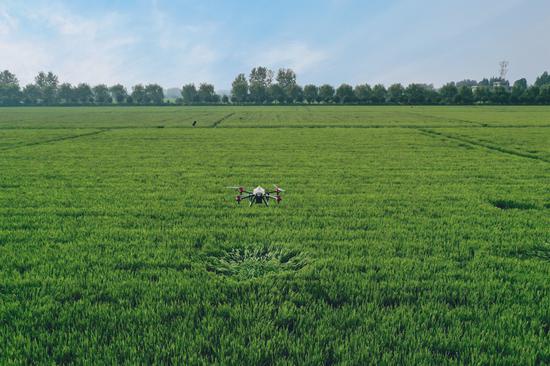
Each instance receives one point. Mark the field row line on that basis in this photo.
(491, 146)
(216, 123)
(57, 139)
(476, 124)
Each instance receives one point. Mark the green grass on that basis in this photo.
(423, 240)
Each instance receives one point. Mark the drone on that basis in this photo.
(258, 195)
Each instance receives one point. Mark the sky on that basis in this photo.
(324, 41)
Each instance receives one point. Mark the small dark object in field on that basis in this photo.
(194, 123)
(509, 204)
(160, 126)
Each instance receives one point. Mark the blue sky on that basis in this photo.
(324, 41)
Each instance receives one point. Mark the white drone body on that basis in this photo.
(258, 195)
(258, 191)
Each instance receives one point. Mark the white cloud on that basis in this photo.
(7, 22)
(297, 55)
(76, 48)
(159, 41)
(182, 51)
(176, 35)
(427, 41)
(25, 58)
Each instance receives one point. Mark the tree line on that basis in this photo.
(262, 86)
(46, 90)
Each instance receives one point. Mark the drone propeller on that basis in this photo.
(278, 189)
(240, 188)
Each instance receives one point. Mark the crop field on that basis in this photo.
(407, 235)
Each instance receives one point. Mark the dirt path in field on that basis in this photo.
(493, 147)
(476, 124)
(217, 123)
(57, 139)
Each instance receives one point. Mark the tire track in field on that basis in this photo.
(477, 124)
(217, 123)
(491, 146)
(57, 139)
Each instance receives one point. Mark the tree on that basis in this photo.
(500, 95)
(259, 82)
(311, 93)
(482, 94)
(296, 94)
(484, 82)
(206, 93)
(225, 99)
(363, 93)
(286, 78)
(31, 94)
(276, 93)
(7, 78)
(239, 89)
(138, 94)
(118, 93)
(530, 95)
(543, 79)
(415, 94)
(84, 93)
(101, 94)
(465, 95)
(432, 96)
(520, 86)
(379, 94)
(326, 93)
(10, 93)
(396, 93)
(47, 84)
(189, 94)
(65, 94)
(344, 94)
(466, 82)
(448, 93)
(154, 94)
(544, 94)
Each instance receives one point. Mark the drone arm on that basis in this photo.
(240, 198)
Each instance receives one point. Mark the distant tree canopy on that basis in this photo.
(263, 86)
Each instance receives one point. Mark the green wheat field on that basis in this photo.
(406, 235)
